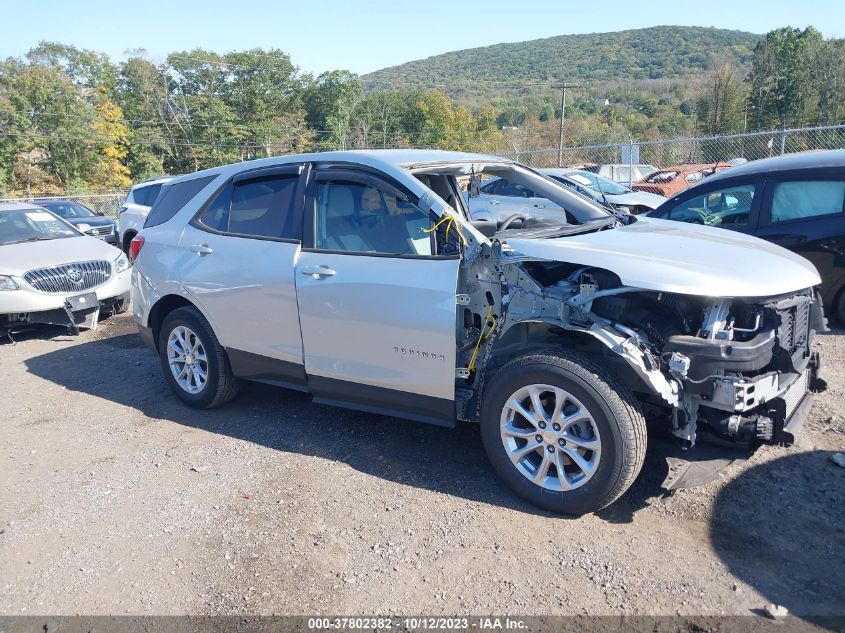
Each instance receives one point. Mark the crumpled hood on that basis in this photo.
(683, 258)
(636, 199)
(16, 259)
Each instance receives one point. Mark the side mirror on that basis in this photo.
(100, 213)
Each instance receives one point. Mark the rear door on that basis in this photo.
(376, 299)
(237, 261)
(806, 214)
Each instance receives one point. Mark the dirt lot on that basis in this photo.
(115, 498)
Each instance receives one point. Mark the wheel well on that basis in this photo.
(127, 237)
(161, 309)
(533, 335)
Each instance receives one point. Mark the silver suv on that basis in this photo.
(357, 277)
(134, 210)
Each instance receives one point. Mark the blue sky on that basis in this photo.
(365, 35)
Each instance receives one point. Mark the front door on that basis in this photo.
(237, 263)
(376, 301)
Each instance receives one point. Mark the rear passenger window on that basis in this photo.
(797, 199)
(147, 195)
(259, 207)
(173, 198)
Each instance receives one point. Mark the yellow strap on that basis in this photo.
(450, 220)
(486, 331)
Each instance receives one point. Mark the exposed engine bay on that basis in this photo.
(730, 370)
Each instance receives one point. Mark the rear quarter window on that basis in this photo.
(799, 199)
(173, 197)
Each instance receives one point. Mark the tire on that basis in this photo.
(220, 385)
(612, 417)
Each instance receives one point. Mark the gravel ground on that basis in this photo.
(115, 498)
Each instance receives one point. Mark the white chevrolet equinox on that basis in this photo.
(358, 277)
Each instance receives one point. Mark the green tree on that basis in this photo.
(781, 82)
(330, 102)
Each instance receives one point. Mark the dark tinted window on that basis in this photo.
(489, 187)
(260, 207)
(146, 195)
(173, 198)
(68, 210)
(152, 194)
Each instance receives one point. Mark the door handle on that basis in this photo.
(318, 272)
(201, 249)
(495, 202)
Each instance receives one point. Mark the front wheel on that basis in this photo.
(562, 432)
(193, 362)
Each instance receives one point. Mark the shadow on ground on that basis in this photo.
(780, 527)
(122, 370)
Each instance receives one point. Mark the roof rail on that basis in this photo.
(151, 178)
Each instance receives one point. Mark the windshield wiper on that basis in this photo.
(30, 239)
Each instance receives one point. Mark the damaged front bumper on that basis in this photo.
(78, 312)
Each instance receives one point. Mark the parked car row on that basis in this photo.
(796, 201)
(55, 272)
(663, 182)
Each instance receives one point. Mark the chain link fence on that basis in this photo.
(650, 155)
(735, 148)
(105, 203)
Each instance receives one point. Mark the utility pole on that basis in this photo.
(563, 88)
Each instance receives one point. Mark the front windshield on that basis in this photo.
(597, 183)
(556, 200)
(32, 225)
(68, 210)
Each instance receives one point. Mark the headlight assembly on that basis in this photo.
(7, 283)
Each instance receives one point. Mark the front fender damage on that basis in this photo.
(503, 288)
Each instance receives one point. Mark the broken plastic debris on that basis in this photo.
(838, 459)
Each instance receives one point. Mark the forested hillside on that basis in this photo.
(660, 52)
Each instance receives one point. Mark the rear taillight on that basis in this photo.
(121, 210)
(135, 246)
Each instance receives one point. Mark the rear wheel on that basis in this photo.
(562, 432)
(193, 362)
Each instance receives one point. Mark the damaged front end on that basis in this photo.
(736, 371)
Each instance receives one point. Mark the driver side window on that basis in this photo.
(721, 207)
(361, 217)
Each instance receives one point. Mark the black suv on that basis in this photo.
(796, 201)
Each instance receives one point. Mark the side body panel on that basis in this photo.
(379, 321)
(247, 287)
